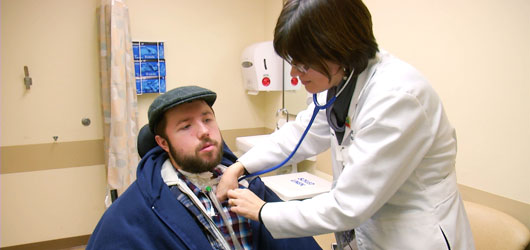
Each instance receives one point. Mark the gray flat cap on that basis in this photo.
(176, 97)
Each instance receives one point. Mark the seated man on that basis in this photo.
(171, 205)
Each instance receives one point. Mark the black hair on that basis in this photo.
(311, 32)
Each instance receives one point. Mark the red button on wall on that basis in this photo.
(266, 81)
(294, 81)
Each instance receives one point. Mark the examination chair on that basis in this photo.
(493, 229)
(145, 141)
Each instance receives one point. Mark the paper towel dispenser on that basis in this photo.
(262, 68)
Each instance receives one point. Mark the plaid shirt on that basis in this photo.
(240, 225)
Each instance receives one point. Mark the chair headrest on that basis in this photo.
(146, 140)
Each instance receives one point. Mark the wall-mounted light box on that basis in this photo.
(149, 67)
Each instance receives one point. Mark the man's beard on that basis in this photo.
(195, 164)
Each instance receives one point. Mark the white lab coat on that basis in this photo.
(394, 174)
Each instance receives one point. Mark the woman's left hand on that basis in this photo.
(245, 203)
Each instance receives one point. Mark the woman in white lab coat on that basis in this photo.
(393, 147)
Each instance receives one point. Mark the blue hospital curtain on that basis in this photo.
(118, 89)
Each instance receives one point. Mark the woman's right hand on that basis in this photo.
(229, 180)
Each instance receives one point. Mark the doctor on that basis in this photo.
(393, 147)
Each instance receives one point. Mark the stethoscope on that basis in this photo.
(317, 108)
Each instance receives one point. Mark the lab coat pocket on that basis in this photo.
(402, 232)
(454, 222)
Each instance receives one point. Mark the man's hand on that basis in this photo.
(245, 203)
(229, 180)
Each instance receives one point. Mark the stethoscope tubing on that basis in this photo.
(315, 112)
(317, 108)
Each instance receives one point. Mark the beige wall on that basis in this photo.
(57, 40)
(204, 40)
(476, 54)
(51, 204)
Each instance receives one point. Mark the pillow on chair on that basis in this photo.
(146, 140)
(493, 229)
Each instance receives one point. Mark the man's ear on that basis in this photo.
(163, 143)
